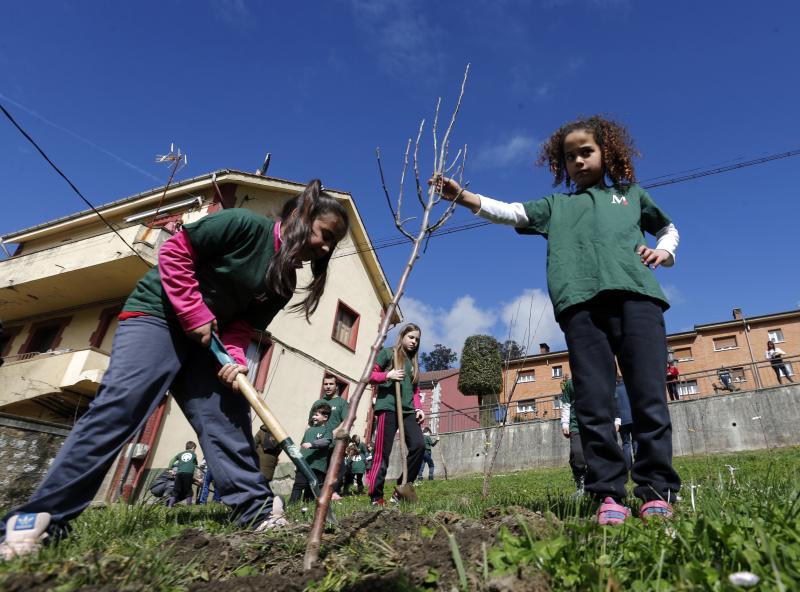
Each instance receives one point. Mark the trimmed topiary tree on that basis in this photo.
(481, 374)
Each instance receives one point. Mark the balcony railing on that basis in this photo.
(88, 269)
(691, 386)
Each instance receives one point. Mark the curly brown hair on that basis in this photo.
(615, 143)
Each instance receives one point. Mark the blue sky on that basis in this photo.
(105, 87)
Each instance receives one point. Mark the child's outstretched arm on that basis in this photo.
(493, 210)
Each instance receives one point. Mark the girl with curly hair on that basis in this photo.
(606, 300)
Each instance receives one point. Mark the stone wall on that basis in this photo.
(26, 450)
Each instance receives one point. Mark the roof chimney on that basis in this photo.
(544, 348)
(737, 314)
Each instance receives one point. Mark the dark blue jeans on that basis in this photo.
(148, 357)
(629, 327)
(427, 459)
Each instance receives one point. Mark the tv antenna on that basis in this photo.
(176, 160)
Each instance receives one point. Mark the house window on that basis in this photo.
(528, 406)
(687, 387)
(738, 375)
(557, 402)
(558, 371)
(788, 366)
(259, 357)
(45, 336)
(107, 317)
(7, 338)
(345, 326)
(683, 354)
(723, 343)
(529, 376)
(775, 336)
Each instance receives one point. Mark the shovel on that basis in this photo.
(275, 428)
(406, 490)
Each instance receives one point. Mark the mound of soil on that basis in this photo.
(387, 550)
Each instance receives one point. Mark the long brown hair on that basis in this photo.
(297, 218)
(400, 352)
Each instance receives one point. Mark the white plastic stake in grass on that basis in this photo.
(693, 488)
(733, 477)
(744, 579)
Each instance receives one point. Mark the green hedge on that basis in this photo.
(481, 371)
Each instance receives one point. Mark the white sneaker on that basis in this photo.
(24, 534)
(276, 519)
(271, 523)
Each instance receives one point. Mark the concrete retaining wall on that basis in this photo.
(750, 420)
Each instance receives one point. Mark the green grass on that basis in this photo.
(752, 524)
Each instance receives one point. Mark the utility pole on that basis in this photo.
(737, 313)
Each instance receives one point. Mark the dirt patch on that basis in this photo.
(388, 550)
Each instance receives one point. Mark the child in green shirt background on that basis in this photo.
(606, 300)
(184, 463)
(314, 448)
(356, 466)
(427, 456)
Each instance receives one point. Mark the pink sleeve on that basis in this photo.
(378, 376)
(176, 261)
(417, 400)
(236, 338)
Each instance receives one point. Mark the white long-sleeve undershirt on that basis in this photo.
(513, 214)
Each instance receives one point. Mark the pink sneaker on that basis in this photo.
(610, 512)
(655, 509)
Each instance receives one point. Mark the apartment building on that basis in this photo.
(736, 346)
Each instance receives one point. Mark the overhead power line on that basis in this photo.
(70, 183)
(723, 169)
(387, 242)
(396, 241)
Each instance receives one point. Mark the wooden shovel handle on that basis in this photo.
(399, 405)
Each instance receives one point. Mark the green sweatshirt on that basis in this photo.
(234, 248)
(385, 398)
(592, 236)
(184, 462)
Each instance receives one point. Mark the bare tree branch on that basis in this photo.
(416, 161)
(342, 432)
(383, 183)
(446, 139)
(435, 130)
(402, 182)
(448, 212)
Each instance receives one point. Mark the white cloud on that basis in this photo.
(528, 318)
(233, 12)
(514, 149)
(448, 327)
(404, 42)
